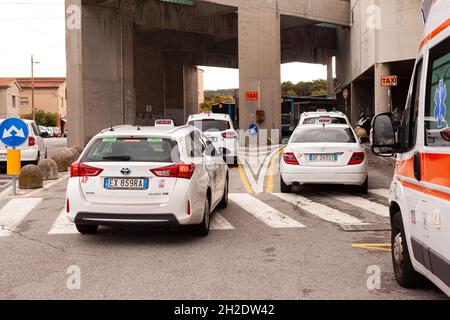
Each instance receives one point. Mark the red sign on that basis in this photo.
(251, 96)
(389, 81)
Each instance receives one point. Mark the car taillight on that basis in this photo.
(180, 170)
(289, 158)
(79, 169)
(229, 135)
(357, 158)
(445, 135)
(31, 141)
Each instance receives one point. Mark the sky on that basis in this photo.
(38, 27)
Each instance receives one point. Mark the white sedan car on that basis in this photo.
(322, 116)
(156, 176)
(321, 154)
(219, 129)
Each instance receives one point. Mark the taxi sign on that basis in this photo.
(164, 123)
(13, 132)
(251, 96)
(389, 81)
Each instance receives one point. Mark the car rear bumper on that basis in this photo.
(26, 155)
(114, 219)
(348, 175)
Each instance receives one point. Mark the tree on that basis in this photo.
(51, 119)
(303, 89)
(40, 117)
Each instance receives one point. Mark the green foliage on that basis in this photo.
(304, 89)
(47, 119)
(206, 106)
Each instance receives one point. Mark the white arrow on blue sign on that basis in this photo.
(13, 132)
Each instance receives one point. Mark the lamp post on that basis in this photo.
(33, 113)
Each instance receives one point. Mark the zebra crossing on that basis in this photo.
(16, 210)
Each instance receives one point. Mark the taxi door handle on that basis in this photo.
(417, 166)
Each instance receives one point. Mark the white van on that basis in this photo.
(420, 191)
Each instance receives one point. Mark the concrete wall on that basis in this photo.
(47, 99)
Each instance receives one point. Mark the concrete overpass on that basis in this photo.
(132, 61)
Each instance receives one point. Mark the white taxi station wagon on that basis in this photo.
(420, 191)
(156, 176)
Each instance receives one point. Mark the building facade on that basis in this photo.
(10, 93)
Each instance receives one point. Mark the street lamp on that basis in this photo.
(33, 114)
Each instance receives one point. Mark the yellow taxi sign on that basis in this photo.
(13, 162)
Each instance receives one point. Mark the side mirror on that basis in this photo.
(383, 135)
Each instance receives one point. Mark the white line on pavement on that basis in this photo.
(320, 210)
(218, 222)
(376, 208)
(62, 225)
(14, 212)
(263, 212)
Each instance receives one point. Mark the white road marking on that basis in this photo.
(380, 192)
(62, 225)
(218, 222)
(14, 212)
(263, 212)
(320, 210)
(376, 208)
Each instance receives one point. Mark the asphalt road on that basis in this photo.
(295, 252)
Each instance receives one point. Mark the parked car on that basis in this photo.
(44, 132)
(156, 176)
(56, 132)
(36, 149)
(324, 154)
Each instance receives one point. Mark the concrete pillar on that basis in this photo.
(330, 78)
(381, 93)
(74, 73)
(174, 87)
(259, 62)
(190, 79)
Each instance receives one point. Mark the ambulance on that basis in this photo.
(419, 198)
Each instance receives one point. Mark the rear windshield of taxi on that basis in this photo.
(210, 125)
(325, 134)
(151, 149)
(319, 120)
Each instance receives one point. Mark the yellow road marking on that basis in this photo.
(373, 246)
(244, 179)
(269, 188)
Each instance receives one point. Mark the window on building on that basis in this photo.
(24, 101)
(437, 101)
(13, 101)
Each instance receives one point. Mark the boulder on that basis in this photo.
(49, 169)
(31, 177)
(63, 160)
(78, 148)
(73, 153)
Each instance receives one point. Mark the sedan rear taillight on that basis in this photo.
(31, 141)
(229, 135)
(79, 169)
(357, 158)
(289, 158)
(179, 170)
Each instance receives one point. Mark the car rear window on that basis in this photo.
(150, 149)
(206, 125)
(317, 120)
(325, 134)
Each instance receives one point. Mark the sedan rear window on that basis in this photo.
(325, 134)
(132, 149)
(208, 125)
(319, 120)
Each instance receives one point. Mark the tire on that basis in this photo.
(364, 189)
(284, 187)
(404, 272)
(36, 162)
(224, 202)
(86, 228)
(202, 229)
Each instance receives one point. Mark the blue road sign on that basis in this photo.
(253, 128)
(13, 132)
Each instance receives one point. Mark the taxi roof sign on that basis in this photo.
(164, 123)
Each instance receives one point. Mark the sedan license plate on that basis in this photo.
(126, 183)
(323, 157)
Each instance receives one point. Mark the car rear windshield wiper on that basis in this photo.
(119, 158)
